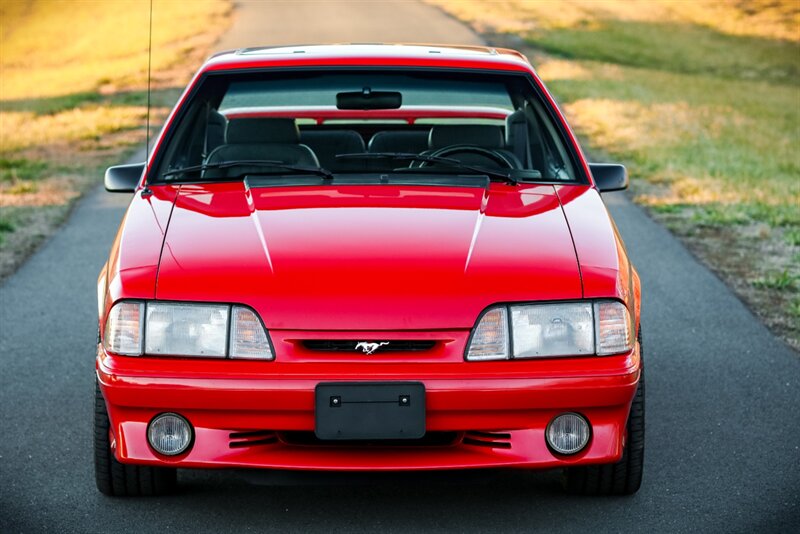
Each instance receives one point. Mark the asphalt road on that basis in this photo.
(723, 431)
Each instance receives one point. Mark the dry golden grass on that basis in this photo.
(52, 47)
(26, 129)
(72, 97)
(756, 18)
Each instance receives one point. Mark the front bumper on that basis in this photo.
(261, 414)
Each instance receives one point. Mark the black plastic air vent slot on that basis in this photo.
(494, 440)
(251, 438)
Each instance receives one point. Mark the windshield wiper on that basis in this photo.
(266, 163)
(452, 162)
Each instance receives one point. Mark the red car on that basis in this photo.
(368, 258)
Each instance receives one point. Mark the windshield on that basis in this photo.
(333, 123)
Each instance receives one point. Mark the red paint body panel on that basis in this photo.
(368, 257)
(344, 262)
(222, 397)
(605, 267)
(132, 266)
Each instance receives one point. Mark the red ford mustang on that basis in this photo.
(368, 258)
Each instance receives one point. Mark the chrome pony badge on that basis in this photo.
(369, 348)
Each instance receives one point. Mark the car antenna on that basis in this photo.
(149, 75)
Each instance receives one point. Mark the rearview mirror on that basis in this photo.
(609, 176)
(123, 178)
(369, 99)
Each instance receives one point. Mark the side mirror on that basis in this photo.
(123, 178)
(609, 176)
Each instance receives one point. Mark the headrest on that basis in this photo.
(215, 117)
(215, 130)
(513, 120)
(260, 130)
(482, 135)
(342, 137)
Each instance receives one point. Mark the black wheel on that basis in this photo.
(120, 480)
(625, 476)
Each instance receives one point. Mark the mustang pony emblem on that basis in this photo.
(369, 348)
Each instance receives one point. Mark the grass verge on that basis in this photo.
(702, 101)
(70, 106)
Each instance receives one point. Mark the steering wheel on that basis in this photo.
(495, 157)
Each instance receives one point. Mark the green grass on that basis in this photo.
(6, 227)
(675, 47)
(778, 215)
(53, 104)
(668, 209)
(794, 308)
(793, 237)
(50, 105)
(13, 169)
(781, 281)
(718, 215)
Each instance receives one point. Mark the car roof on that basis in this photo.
(370, 54)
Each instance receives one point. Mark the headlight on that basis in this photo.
(552, 330)
(186, 329)
(549, 330)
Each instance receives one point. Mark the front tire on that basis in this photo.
(121, 480)
(625, 476)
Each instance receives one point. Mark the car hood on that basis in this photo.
(378, 257)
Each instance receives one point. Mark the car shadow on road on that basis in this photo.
(495, 499)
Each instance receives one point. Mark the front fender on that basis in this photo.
(132, 266)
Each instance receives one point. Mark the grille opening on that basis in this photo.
(252, 437)
(349, 345)
(430, 439)
(494, 440)
(477, 438)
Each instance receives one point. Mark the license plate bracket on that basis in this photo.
(369, 410)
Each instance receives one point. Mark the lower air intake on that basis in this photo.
(494, 440)
(251, 438)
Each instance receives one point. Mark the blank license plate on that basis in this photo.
(370, 410)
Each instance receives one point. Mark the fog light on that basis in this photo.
(169, 434)
(568, 433)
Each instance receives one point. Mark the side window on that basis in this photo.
(549, 154)
(187, 148)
